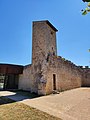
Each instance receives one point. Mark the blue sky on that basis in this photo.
(16, 16)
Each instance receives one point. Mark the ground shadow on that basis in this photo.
(5, 100)
(16, 96)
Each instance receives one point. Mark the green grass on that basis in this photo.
(11, 110)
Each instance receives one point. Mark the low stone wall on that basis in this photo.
(30, 78)
(38, 78)
(24, 79)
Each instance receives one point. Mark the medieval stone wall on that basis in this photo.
(68, 75)
(30, 78)
(38, 78)
(49, 72)
(25, 79)
(86, 77)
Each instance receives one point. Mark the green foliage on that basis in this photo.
(63, 59)
(86, 9)
(84, 12)
(86, 0)
(89, 4)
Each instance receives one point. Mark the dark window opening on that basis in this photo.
(48, 57)
(53, 53)
(51, 33)
(54, 81)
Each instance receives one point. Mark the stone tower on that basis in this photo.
(44, 41)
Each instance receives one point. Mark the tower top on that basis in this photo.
(47, 22)
(44, 41)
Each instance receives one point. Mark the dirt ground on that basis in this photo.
(68, 105)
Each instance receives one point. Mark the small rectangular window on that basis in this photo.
(54, 81)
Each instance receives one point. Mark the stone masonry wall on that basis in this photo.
(44, 41)
(30, 78)
(25, 79)
(48, 71)
(86, 77)
(68, 75)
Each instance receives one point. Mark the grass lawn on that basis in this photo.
(11, 110)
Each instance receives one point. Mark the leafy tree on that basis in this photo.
(86, 0)
(87, 9)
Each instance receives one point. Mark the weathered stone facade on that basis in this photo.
(68, 75)
(86, 77)
(49, 72)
